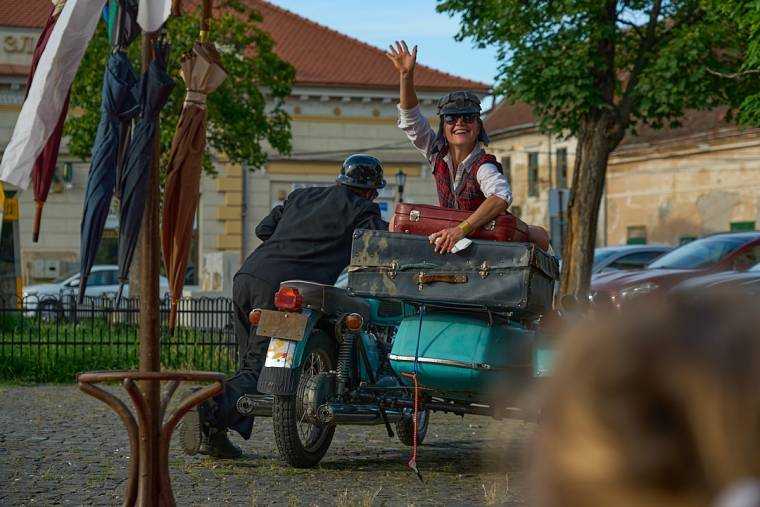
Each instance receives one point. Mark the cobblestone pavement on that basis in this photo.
(58, 445)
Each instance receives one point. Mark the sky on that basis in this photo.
(416, 21)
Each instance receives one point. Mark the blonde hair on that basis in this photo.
(657, 406)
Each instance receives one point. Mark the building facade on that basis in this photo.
(343, 102)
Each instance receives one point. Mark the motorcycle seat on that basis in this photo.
(329, 299)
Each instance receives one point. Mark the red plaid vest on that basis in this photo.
(469, 196)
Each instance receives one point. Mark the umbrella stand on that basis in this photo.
(149, 482)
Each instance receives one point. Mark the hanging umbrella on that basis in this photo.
(44, 166)
(202, 74)
(56, 68)
(153, 14)
(155, 87)
(118, 106)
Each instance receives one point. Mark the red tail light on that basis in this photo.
(288, 299)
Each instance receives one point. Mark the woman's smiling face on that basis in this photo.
(461, 130)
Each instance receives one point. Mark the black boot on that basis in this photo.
(196, 436)
(218, 445)
(191, 432)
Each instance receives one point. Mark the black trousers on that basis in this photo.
(227, 409)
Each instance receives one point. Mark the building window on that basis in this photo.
(637, 235)
(506, 166)
(742, 226)
(561, 168)
(533, 174)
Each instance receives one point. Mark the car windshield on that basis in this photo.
(701, 253)
(600, 254)
(755, 268)
(65, 277)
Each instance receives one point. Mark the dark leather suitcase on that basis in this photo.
(424, 220)
(513, 278)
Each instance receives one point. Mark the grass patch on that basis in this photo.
(32, 350)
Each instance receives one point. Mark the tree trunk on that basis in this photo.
(591, 157)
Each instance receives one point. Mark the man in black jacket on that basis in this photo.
(306, 238)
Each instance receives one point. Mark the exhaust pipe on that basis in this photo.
(259, 405)
(340, 413)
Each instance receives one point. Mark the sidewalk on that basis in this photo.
(59, 446)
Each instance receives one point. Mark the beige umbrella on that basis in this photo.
(202, 73)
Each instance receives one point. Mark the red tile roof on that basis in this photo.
(505, 117)
(325, 57)
(24, 13)
(321, 56)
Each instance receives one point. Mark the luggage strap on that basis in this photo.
(422, 278)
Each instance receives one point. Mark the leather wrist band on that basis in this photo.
(466, 227)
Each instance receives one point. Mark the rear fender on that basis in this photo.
(282, 380)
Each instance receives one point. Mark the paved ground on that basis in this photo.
(58, 445)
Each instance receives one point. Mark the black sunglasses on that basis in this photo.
(467, 118)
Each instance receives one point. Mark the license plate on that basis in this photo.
(282, 325)
(280, 353)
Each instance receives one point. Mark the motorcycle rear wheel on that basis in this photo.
(302, 444)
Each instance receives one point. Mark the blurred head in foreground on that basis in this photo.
(658, 406)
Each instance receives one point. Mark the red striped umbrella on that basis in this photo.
(44, 166)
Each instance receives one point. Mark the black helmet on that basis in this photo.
(461, 102)
(361, 171)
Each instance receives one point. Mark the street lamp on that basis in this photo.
(400, 181)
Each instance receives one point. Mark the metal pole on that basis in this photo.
(149, 324)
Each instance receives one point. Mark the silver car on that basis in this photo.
(103, 280)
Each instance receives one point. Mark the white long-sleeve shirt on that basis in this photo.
(421, 134)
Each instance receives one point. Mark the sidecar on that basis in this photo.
(402, 341)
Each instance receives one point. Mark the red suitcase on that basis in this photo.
(424, 220)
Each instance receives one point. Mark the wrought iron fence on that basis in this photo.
(51, 338)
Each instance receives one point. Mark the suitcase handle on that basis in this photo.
(423, 279)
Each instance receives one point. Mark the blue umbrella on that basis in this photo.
(155, 87)
(119, 105)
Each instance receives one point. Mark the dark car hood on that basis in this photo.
(745, 279)
(665, 278)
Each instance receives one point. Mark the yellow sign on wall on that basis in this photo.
(10, 209)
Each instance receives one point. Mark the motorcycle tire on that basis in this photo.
(405, 428)
(301, 444)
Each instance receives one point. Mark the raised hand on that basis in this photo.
(402, 58)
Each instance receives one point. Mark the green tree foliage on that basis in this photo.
(244, 114)
(595, 69)
(744, 15)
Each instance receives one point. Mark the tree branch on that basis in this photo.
(642, 58)
(636, 28)
(733, 75)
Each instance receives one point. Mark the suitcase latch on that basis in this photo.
(423, 279)
(392, 270)
(414, 215)
(484, 269)
(490, 225)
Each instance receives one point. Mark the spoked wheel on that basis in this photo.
(301, 443)
(405, 428)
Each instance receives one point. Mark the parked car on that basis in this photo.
(47, 298)
(626, 257)
(744, 282)
(711, 254)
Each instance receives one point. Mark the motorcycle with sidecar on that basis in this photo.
(411, 334)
